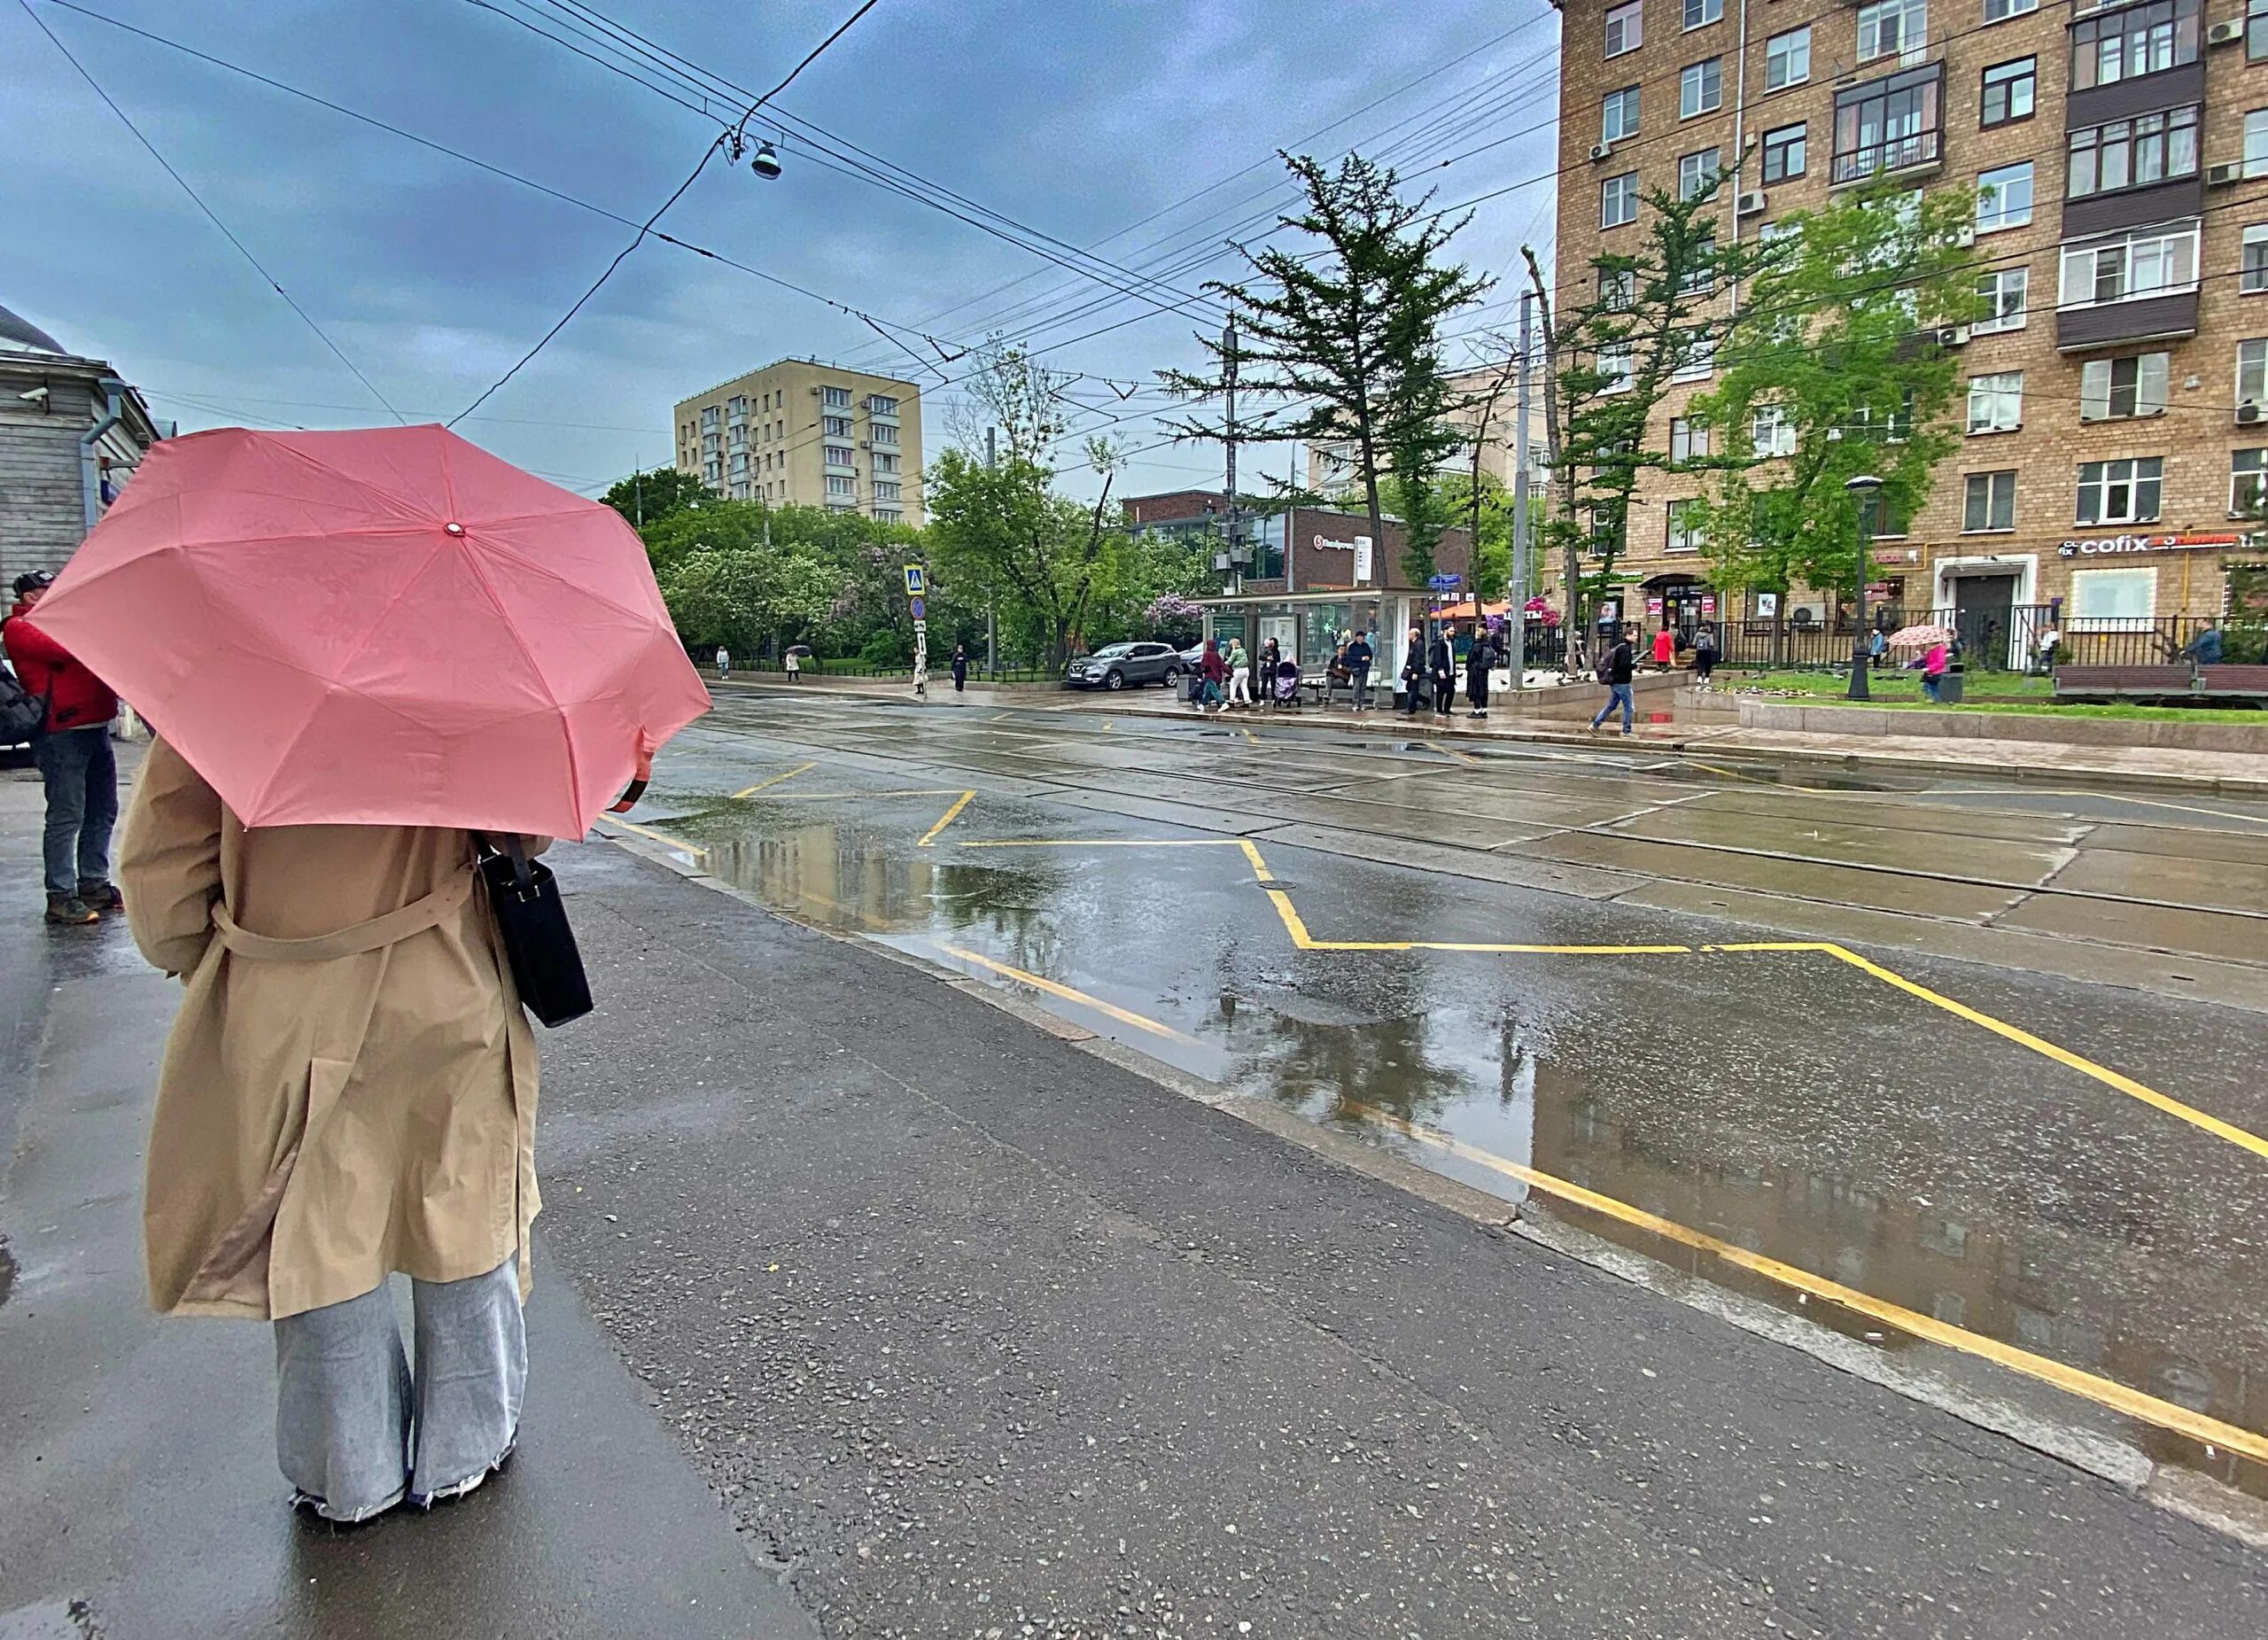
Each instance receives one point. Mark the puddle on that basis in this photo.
(7, 1271)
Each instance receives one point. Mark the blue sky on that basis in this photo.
(1077, 118)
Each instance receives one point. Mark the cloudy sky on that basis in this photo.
(1074, 119)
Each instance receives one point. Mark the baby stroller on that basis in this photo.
(1286, 689)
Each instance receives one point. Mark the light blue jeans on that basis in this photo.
(1617, 695)
(356, 1432)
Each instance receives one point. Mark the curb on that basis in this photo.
(2123, 1462)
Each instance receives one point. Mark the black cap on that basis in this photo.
(32, 581)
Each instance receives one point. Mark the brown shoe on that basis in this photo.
(70, 910)
(101, 894)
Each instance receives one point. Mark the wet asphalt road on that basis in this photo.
(1782, 1101)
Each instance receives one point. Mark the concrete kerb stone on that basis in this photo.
(2114, 1458)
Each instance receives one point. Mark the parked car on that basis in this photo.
(1124, 665)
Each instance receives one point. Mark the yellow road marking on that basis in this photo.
(1258, 867)
(922, 791)
(1248, 735)
(2088, 1386)
(1000, 717)
(1451, 751)
(1069, 995)
(944, 820)
(787, 775)
(664, 838)
(2085, 1066)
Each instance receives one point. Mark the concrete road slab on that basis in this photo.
(1382, 849)
(2232, 845)
(1904, 812)
(1842, 838)
(2202, 933)
(2211, 884)
(1883, 890)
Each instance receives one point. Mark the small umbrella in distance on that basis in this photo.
(387, 627)
(1919, 637)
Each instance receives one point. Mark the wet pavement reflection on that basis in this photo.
(1784, 1103)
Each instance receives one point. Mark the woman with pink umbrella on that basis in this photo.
(374, 660)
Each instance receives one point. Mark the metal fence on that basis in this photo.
(2012, 638)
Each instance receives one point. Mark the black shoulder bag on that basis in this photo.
(531, 921)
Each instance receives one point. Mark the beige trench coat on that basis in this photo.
(350, 1088)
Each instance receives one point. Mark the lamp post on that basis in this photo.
(1865, 487)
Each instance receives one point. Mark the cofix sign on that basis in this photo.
(2119, 546)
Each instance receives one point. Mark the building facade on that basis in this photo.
(2116, 417)
(801, 433)
(71, 433)
(1306, 576)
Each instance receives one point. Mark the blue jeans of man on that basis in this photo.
(1617, 695)
(82, 779)
(357, 1431)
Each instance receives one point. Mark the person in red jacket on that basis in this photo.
(74, 761)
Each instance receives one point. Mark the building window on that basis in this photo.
(2112, 389)
(2000, 11)
(885, 491)
(1618, 115)
(2002, 292)
(2255, 30)
(881, 404)
(1625, 28)
(1888, 26)
(1688, 440)
(1787, 59)
(2133, 41)
(1701, 14)
(834, 426)
(1696, 174)
(834, 398)
(1618, 200)
(1614, 363)
(1688, 531)
(2252, 372)
(884, 461)
(1783, 153)
(1618, 288)
(708, 415)
(884, 432)
(2155, 262)
(1876, 519)
(838, 485)
(2133, 153)
(1701, 89)
(1697, 358)
(1888, 125)
(2248, 483)
(2255, 143)
(889, 515)
(2252, 275)
(1989, 502)
(2004, 198)
(1996, 402)
(1767, 232)
(1770, 432)
(2109, 599)
(2120, 492)
(838, 455)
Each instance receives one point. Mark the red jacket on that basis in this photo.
(76, 699)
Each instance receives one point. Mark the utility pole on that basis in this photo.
(1516, 624)
(1229, 444)
(991, 619)
(638, 489)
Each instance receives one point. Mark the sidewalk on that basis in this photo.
(136, 1466)
(2228, 773)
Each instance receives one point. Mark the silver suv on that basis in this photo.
(1118, 665)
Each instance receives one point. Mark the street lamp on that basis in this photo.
(1865, 487)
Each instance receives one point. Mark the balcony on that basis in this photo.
(1889, 127)
(2139, 319)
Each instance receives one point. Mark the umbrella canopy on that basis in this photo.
(389, 626)
(1919, 637)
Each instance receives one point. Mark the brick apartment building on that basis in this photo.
(801, 433)
(2117, 411)
(1299, 575)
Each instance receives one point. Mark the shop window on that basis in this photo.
(2103, 600)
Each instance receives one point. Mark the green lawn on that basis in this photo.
(1902, 691)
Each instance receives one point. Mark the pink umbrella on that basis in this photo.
(380, 627)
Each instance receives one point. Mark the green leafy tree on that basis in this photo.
(648, 497)
(1612, 357)
(744, 595)
(1837, 372)
(1006, 530)
(1347, 336)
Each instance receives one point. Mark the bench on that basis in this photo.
(2153, 682)
(2240, 683)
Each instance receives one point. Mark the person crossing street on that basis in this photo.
(1614, 671)
(75, 763)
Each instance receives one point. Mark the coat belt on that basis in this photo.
(378, 932)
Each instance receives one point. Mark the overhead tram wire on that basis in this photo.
(678, 193)
(211, 216)
(655, 51)
(850, 158)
